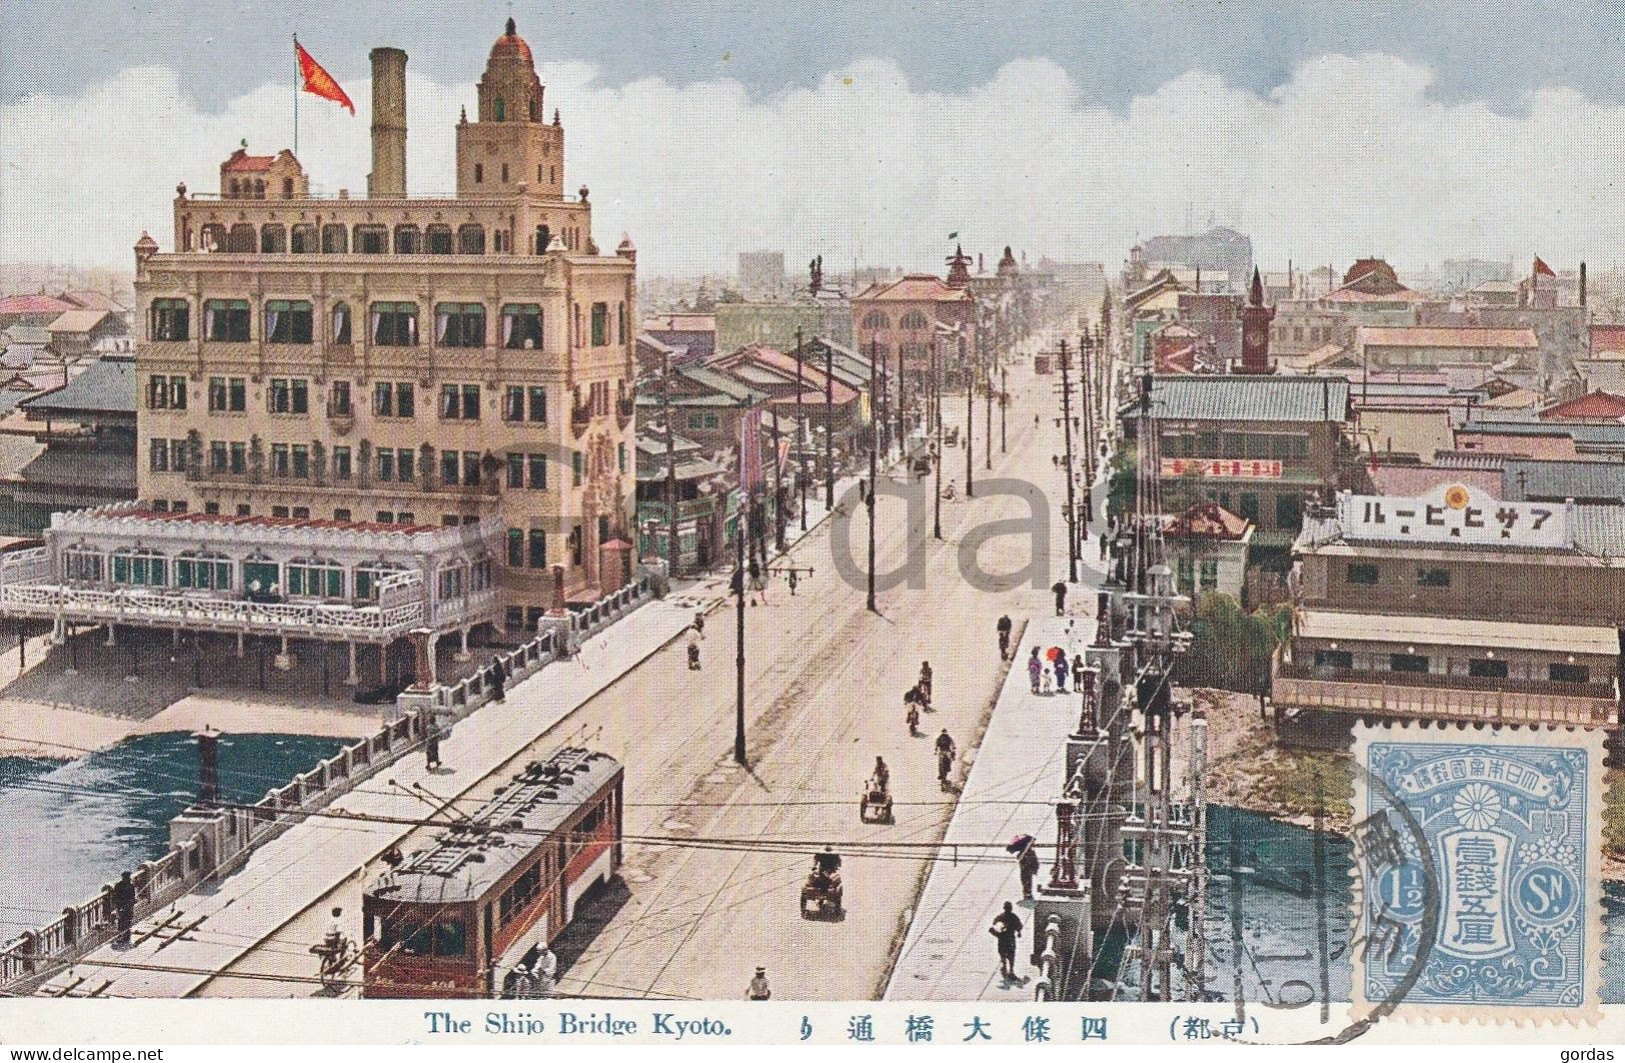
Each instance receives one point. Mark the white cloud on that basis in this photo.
(1349, 157)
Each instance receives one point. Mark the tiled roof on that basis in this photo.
(242, 162)
(34, 304)
(915, 287)
(92, 300)
(77, 321)
(106, 386)
(1607, 338)
(1595, 404)
(681, 323)
(1465, 338)
(1597, 481)
(278, 522)
(104, 470)
(1414, 481)
(1250, 398)
(1600, 530)
(1207, 520)
(31, 334)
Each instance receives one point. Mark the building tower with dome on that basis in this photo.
(388, 413)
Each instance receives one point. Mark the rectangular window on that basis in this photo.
(537, 398)
(225, 320)
(386, 465)
(395, 324)
(516, 470)
(1487, 669)
(537, 554)
(516, 549)
(1288, 513)
(513, 403)
(405, 465)
(1334, 659)
(280, 464)
(1433, 577)
(236, 395)
(537, 467)
(522, 326)
(338, 399)
(341, 463)
(217, 394)
(341, 515)
(1408, 662)
(1568, 673)
(289, 395)
(1249, 506)
(460, 402)
(287, 321)
(471, 468)
(170, 320)
(177, 455)
(386, 516)
(301, 461)
(1363, 575)
(239, 458)
(217, 456)
(600, 324)
(575, 468)
(1210, 575)
(450, 468)
(158, 459)
(459, 324)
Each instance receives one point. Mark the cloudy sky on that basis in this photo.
(869, 130)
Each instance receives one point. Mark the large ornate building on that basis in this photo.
(342, 371)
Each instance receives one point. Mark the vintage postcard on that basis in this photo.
(898, 524)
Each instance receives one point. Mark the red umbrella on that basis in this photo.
(1052, 653)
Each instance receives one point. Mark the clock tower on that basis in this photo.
(1255, 331)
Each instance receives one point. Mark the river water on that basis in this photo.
(73, 826)
(1280, 919)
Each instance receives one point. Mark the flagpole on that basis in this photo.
(298, 76)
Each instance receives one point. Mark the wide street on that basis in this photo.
(700, 905)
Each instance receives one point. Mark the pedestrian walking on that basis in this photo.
(1103, 542)
(124, 909)
(1060, 673)
(699, 624)
(498, 676)
(1035, 669)
(1027, 864)
(431, 746)
(946, 754)
(694, 647)
(759, 989)
(1006, 929)
(1047, 681)
(1005, 628)
(1059, 590)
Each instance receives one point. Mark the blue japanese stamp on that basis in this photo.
(1477, 859)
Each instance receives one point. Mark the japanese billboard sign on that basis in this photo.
(1454, 513)
(1224, 468)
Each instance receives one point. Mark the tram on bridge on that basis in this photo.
(454, 919)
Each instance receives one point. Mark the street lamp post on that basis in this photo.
(801, 444)
(874, 472)
(741, 524)
(987, 406)
(1004, 407)
(970, 414)
(829, 426)
(934, 391)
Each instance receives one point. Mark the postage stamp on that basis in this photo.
(1478, 895)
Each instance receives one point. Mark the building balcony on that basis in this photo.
(1445, 697)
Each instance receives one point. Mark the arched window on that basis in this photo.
(501, 109)
(439, 240)
(140, 568)
(340, 334)
(313, 578)
(304, 240)
(335, 239)
(408, 240)
(544, 236)
(471, 239)
(241, 239)
(81, 564)
(368, 576)
(212, 237)
(533, 110)
(203, 571)
(874, 319)
(273, 239)
(914, 319)
(259, 189)
(371, 240)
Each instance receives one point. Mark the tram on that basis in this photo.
(454, 918)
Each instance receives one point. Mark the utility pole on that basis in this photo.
(934, 400)
(829, 427)
(987, 412)
(1071, 504)
(970, 409)
(672, 549)
(1004, 407)
(778, 490)
(741, 527)
(874, 460)
(902, 433)
(1088, 354)
(801, 442)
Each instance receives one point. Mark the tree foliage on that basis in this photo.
(1231, 648)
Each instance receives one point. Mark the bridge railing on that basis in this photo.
(211, 841)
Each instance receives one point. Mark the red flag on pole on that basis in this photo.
(318, 82)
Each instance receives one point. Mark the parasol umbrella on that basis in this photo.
(1019, 842)
(1052, 653)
